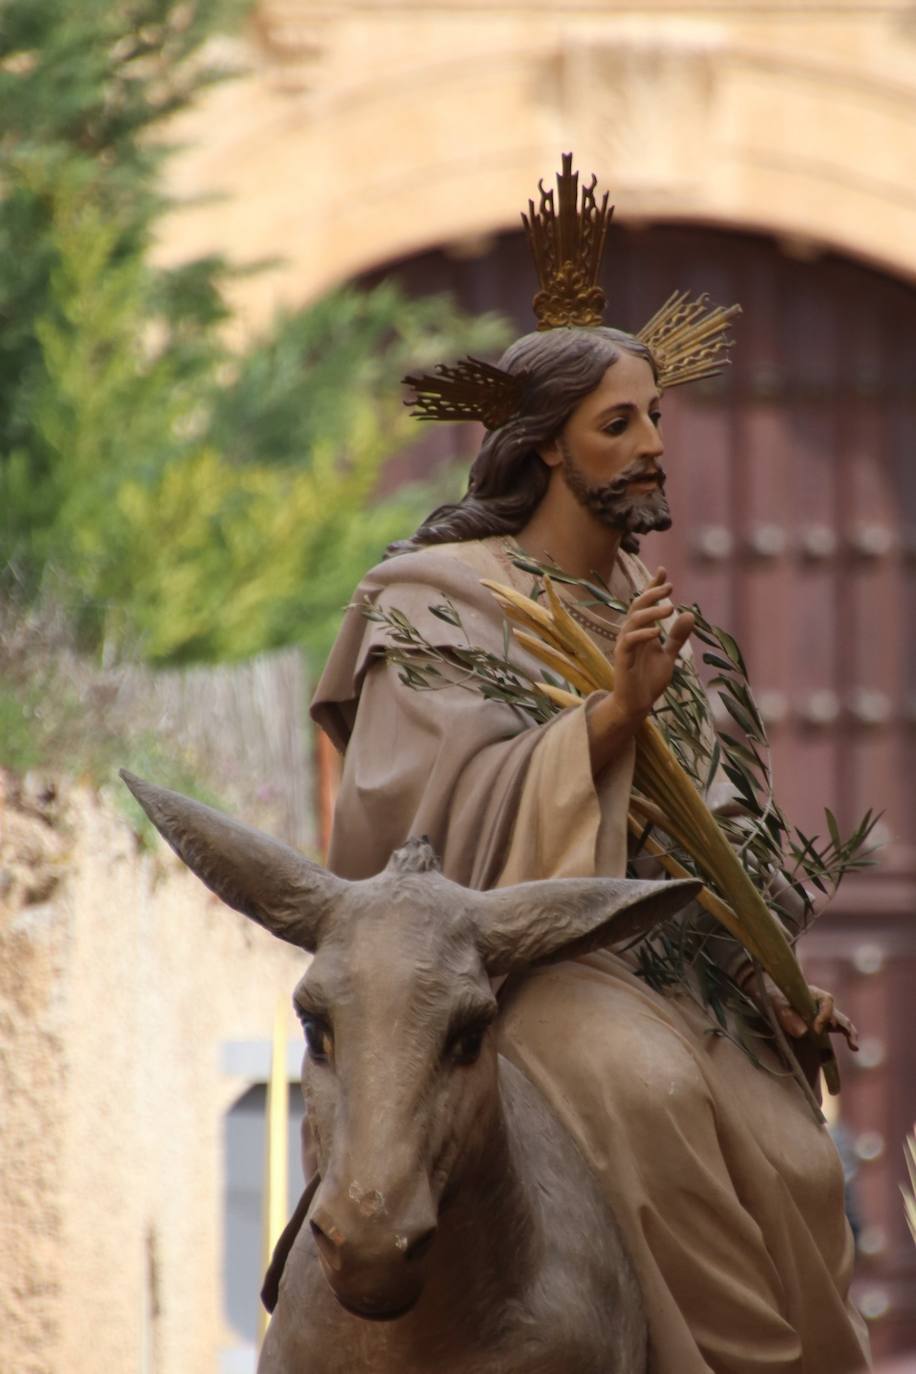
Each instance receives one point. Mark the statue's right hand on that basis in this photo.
(643, 666)
(643, 659)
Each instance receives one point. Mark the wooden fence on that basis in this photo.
(243, 726)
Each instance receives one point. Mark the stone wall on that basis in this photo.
(120, 977)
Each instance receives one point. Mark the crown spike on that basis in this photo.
(688, 339)
(567, 234)
(469, 390)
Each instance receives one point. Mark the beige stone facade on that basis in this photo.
(370, 129)
(120, 979)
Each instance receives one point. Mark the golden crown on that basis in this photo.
(688, 338)
(567, 239)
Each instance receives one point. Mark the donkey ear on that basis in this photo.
(264, 879)
(560, 918)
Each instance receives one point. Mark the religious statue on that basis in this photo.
(724, 1182)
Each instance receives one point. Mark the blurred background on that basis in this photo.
(227, 229)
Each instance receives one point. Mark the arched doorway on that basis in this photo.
(794, 490)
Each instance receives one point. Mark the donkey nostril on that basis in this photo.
(329, 1245)
(419, 1247)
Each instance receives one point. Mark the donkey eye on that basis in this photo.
(465, 1047)
(317, 1037)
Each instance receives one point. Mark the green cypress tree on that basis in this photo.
(84, 90)
(179, 502)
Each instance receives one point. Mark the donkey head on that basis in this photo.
(400, 1076)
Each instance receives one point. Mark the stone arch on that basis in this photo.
(379, 135)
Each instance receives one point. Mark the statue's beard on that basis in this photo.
(613, 503)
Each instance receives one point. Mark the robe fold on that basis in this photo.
(447, 764)
(728, 1194)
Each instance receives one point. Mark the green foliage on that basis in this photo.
(90, 335)
(425, 667)
(95, 77)
(226, 561)
(82, 88)
(293, 390)
(109, 400)
(22, 743)
(180, 501)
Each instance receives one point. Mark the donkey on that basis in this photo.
(452, 1225)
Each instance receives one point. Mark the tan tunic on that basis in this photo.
(729, 1195)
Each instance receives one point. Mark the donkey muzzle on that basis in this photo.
(372, 1254)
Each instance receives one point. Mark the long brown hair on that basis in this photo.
(508, 480)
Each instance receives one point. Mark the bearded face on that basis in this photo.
(619, 504)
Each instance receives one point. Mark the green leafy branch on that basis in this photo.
(425, 667)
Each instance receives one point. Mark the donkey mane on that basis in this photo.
(416, 856)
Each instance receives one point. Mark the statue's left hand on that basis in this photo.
(828, 1018)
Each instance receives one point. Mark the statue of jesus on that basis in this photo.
(727, 1191)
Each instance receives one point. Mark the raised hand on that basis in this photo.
(644, 659)
(643, 665)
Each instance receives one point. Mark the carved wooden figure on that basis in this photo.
(454, 1226)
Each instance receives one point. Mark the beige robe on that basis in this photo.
(729, 1195)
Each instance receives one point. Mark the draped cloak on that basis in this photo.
(728, 1193)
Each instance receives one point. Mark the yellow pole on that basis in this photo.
(275, 1153)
